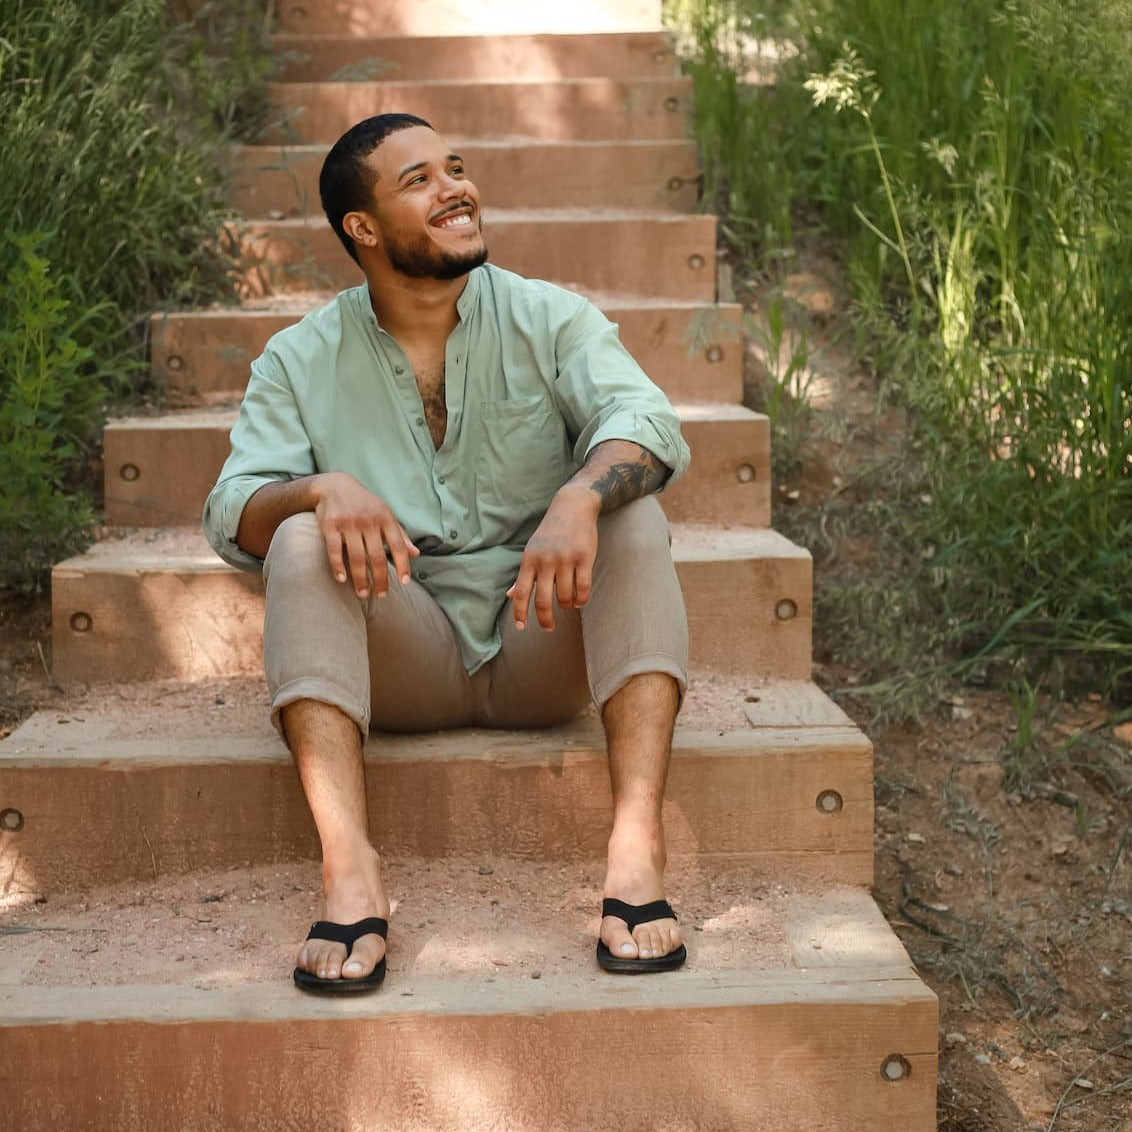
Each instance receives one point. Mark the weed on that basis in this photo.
(978, 183)
(115, 126)
(50, 393)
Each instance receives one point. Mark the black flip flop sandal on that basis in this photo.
(634, 914)
(349, 934)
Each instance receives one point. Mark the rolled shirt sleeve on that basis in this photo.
(605, 395)
(268, 433)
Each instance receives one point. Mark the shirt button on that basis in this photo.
(439, 479)
(420, 420)
(453, 534)
(422, 575)
(398, 369)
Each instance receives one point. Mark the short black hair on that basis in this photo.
(346, 181)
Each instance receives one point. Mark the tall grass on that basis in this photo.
(115, 121)
(978, 178)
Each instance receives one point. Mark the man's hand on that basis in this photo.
(559, 556)
(358, 526)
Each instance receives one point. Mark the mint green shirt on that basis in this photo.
(535, 377)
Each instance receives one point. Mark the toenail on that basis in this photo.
(626, 949)
(353, 968)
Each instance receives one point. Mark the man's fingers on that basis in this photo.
(357, 560)
(583, 582)
(401, 549)
(375, 563)
(334, 554)
(565, 588)
(544, 598)
(520, 594)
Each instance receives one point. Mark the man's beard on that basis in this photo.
(422, 259)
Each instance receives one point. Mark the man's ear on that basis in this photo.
(360, 227)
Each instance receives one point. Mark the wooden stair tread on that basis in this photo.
(173, 548)
(495, 1016)
(295, 304)
(306, 57)
(788, 941)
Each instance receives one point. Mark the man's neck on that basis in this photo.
(415, 309)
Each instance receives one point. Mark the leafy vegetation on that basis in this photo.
(115, 120)
(971, 161)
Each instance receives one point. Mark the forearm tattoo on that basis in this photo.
(629, 480)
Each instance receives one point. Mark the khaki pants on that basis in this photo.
(393, 664)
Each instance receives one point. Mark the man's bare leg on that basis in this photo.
(328, 754)
(638, 721)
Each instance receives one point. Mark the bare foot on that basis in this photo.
(635, 874)
(353, 892)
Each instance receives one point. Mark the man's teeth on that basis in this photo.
(459, 221)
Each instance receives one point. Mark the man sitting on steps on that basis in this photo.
(415, 467)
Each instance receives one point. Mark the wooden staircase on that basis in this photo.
(573, 125)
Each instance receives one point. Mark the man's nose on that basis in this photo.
(452, 186)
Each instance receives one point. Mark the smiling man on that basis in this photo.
(419, 468)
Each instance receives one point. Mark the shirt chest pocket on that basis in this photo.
(523, 454)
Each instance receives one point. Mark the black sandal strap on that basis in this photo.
(348, 934)
(634, 914)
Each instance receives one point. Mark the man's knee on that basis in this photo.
(296, 547)
(637, 529)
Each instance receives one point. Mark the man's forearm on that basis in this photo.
(268, 507)
(619, 471)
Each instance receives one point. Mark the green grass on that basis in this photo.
(973, 164)
(115, 122)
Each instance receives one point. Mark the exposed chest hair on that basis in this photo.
(430, 381)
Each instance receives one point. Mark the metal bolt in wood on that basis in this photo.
(696, 261)
(745, 473)
(895, 1067)
(675, 184)
(129, 472)
(82, 622)
(11, 821)
(672, 104)
(715, 354)
(786, 610)
(830, 802)
(174, 362)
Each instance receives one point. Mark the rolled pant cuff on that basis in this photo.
(609, 686)
(324, 691)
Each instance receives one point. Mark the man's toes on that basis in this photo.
(649, 941)
(615, 935)
(364, 957)
(657, 939)
(321, 957)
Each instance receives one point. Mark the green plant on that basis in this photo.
(981, 192)
(116, 122)
(48, 399)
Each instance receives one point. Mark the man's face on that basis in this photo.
(427, 211)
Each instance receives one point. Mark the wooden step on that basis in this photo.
(158, 470)
(596, 109)
(282, 181)
(798, 1009)
(159, 604)
(170, 783)
(656, 253)
(353, 58)
(692, 351)
(457, 17)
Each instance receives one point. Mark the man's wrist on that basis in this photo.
(579, 492)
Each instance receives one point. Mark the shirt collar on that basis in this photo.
(464, 304)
